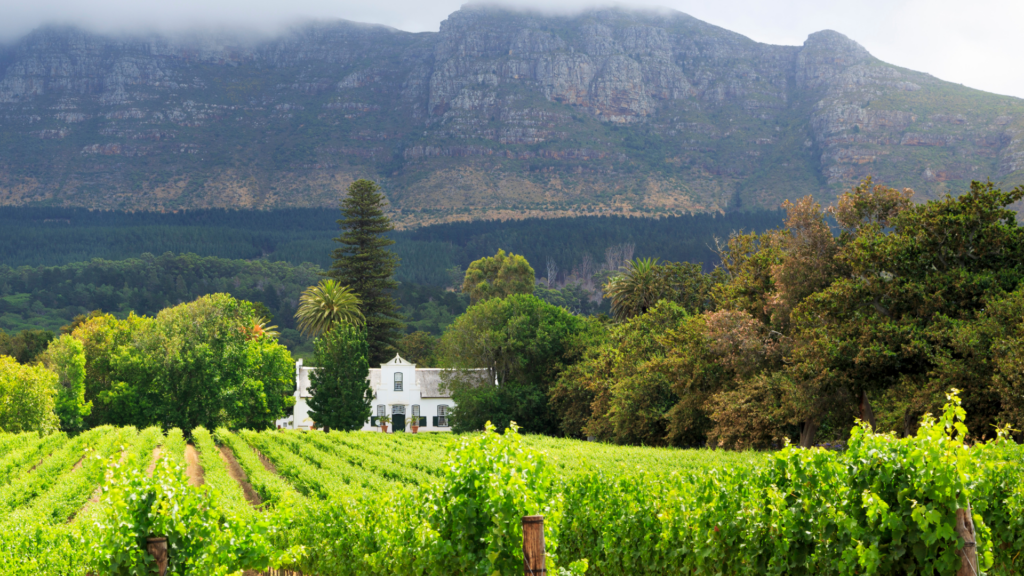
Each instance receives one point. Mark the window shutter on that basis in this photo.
(373, 420)
(435, 422)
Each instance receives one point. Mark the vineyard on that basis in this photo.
(365, 503)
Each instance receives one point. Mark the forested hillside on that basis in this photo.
(50, 297)
(57, 263)
(58, 236)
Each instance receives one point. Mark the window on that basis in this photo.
(398, 381)
(415, 410)
(381, 410)
(398, 409)
(442, 415)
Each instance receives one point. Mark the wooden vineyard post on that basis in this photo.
(157, 547)
(969, 554)
(533, 546)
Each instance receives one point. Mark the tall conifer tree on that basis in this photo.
(367, 267)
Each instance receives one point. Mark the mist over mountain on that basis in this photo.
(499, 114)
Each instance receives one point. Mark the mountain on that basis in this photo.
(499, 114)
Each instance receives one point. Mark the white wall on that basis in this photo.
(382, 381)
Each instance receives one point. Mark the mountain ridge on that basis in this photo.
(499, 114)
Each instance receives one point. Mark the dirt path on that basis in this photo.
(152, 464)
(236, 472)
(81, 461)
(194, 469)
(266, 462)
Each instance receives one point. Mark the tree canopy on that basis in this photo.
(202, 363)
(66, 357)
(498, 276)
(26, 345)
(524, 343)
(340, 391)
(27, 397)
(803, 329)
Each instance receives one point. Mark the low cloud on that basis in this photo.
(974, 46)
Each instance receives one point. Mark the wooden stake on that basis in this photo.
(969, 553)
(157, 547)
(533, 546)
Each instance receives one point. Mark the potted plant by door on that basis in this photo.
(414, 424)
(384, 421)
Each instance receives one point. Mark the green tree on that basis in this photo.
(111, 345)
(78, 320)
(618, 391)
(203, 363)
(498, 276)
(637, 289)
(999, 343)
(326, 305)
(66, 357)
(573, 297)
(25, 346)
(645, 283)
(901, 323)
(418, 347)
(524, 343)
(340, 390)
(27, 397)
(875, 322)
(364, 264)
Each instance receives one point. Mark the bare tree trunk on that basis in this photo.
(627, 251)
(585, 272)
(616, 257)
(866, 413)
(612, 259)
(552, 271)
(808, 432)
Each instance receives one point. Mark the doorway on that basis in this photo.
(398, 418)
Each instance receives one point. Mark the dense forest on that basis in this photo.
(49, 297)
(876, 309)
(57, 264)
(59, 236)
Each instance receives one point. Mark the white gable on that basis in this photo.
(397, 361)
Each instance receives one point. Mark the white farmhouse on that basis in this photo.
(400, 390)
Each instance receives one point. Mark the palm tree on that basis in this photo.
(636, 290)
(325, 305)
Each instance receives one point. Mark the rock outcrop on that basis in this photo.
(497, 113)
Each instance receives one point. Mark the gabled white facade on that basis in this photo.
(398, 386)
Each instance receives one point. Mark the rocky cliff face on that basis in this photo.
(499, 114)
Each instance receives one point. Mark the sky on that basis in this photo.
(971, 43)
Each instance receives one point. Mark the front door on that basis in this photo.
(398, 418)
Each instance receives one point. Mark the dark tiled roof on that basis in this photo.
(429, 381)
